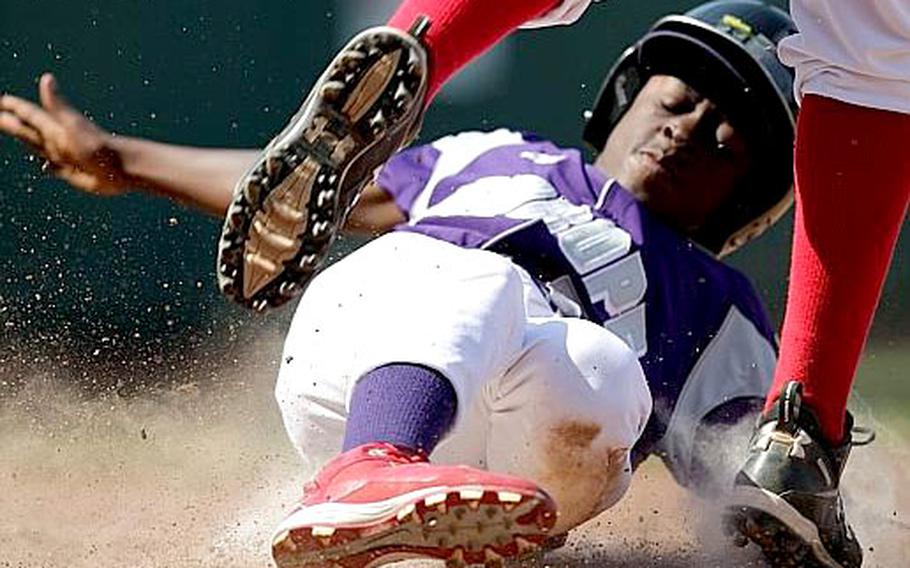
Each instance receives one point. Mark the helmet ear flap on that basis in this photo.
(616, 95)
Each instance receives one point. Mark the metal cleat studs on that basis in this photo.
(325, 198)
(287, 289)
(320, 230)
(308, 262)
(227, 270)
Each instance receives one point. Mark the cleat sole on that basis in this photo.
(289, 207)
(415, 526)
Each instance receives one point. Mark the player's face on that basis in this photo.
(676, 151)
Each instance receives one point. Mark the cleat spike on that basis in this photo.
(308, 262)
(287, 289)
(508, 497)
(274, 164)
(378, 122)
(253, 192)
(236, 217)
(320, 229)
(471, 494)
(228, 271)
(318, 531)
(325, 198)
(436, 499)
(406, 512)
(332, 90)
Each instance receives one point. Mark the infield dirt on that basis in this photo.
(196, 477)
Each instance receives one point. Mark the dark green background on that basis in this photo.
(123, 284)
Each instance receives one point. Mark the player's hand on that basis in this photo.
(75, 149)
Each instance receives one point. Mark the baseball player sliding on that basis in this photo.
(485, 375)
(851, 61)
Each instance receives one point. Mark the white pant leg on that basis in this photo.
(401, 298)
(556, 400)
(565, 416)
(857, 51)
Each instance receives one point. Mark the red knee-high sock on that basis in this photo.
(852, 190)
(461, 30)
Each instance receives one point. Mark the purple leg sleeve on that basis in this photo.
(409, 406)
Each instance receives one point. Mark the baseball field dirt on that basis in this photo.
(197, 476)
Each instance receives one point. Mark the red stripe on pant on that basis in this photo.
(461, 30)
(852, 191)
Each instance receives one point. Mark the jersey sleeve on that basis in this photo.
(406, 175)
(567, 12)
(736, 365)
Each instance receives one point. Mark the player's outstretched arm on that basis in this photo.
(96, 161)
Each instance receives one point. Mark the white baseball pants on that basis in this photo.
(557, 400)
(856, 51)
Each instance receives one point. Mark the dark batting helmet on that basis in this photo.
(726, 50)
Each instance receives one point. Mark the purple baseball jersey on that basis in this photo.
(699, 328)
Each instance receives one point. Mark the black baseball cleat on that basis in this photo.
(289, 207)
(786, 498)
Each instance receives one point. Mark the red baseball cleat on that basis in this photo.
(377, 504)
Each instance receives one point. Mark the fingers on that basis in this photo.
(49, 94)
(10, 124)
(29, 113)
